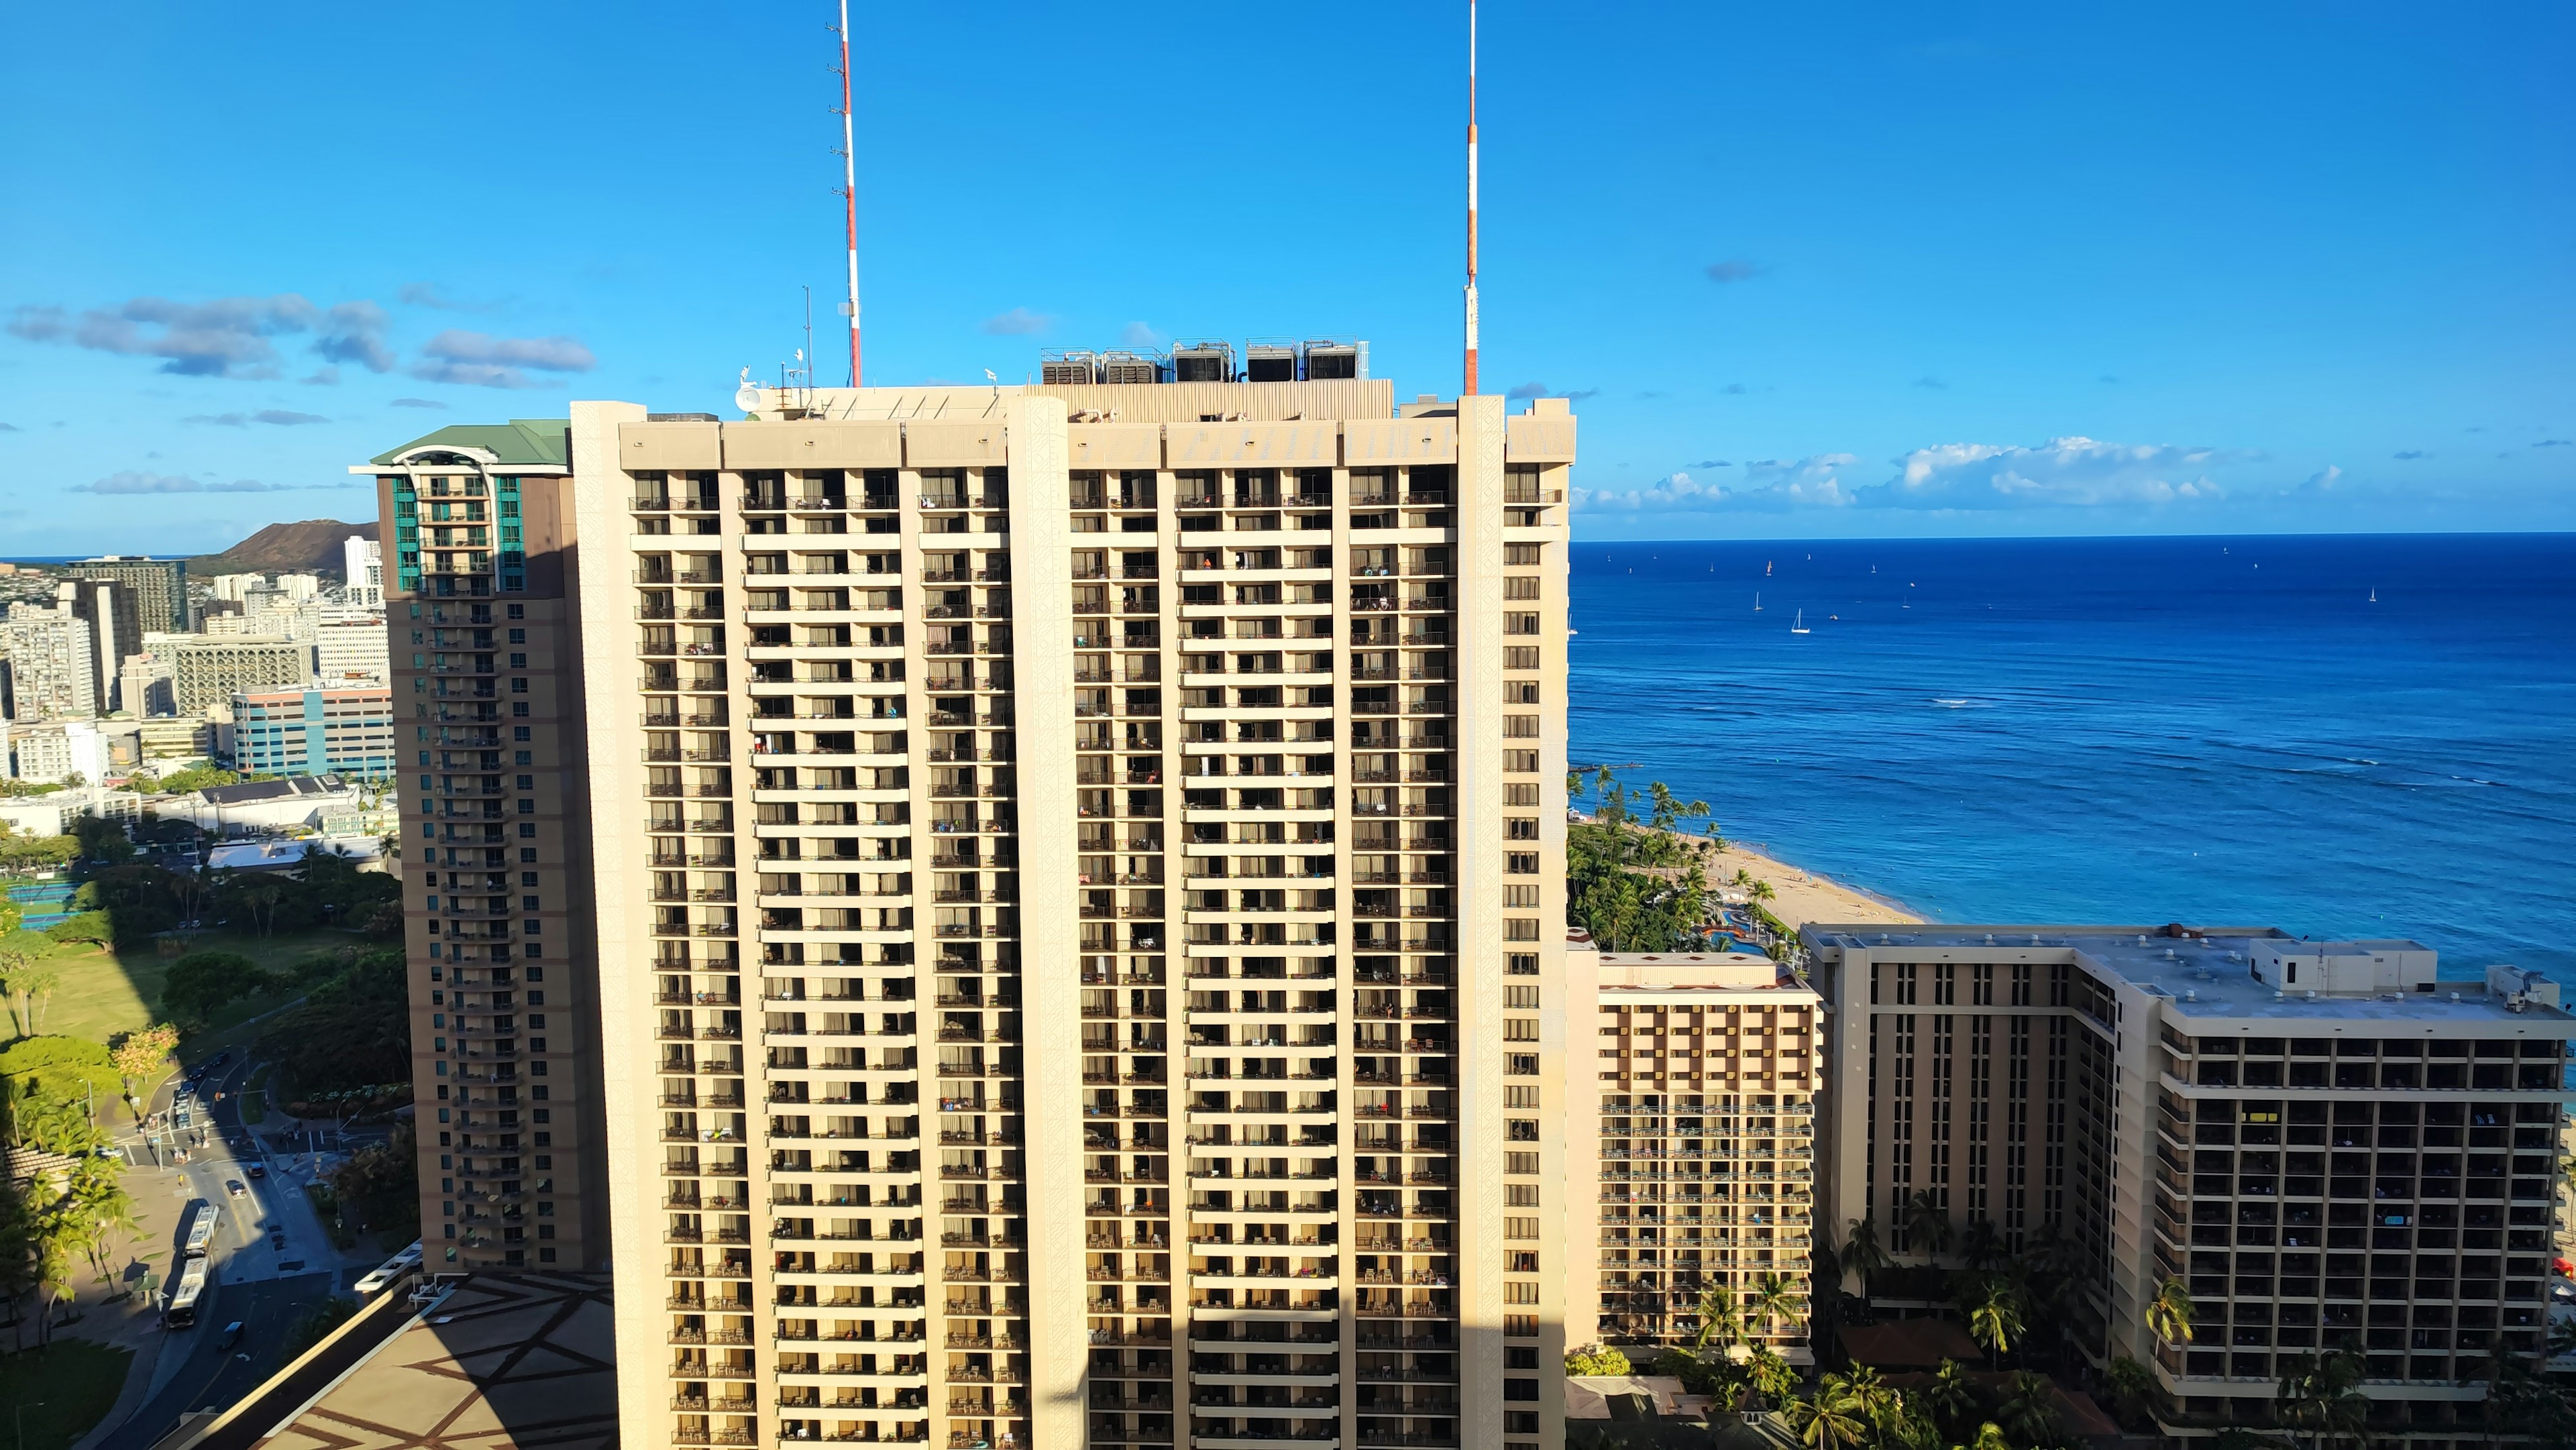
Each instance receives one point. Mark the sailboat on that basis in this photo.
(1799, 625)
(1757, 601)
(2374, 594)
(1766, 568)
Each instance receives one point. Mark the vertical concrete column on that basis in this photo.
(611, 682)
(1050, 918)
(1479, 596)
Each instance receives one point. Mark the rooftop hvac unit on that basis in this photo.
(1203, 362)
(1270, 362)
(1069, 367)
(1129, 368)
(1328, 358)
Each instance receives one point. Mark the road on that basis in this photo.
(272, 1261)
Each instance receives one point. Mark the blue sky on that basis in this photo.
(1809, 271)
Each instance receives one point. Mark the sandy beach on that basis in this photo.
(1801, 896)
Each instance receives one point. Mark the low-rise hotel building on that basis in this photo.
(1689, 1146)
(2330, 1146)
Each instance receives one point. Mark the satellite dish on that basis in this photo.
(747, 398)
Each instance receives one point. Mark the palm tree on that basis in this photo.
(1835, 1419)
(1950, 1395)
(2170, 1312)
(2132, 1384)
(1862, 1253)
(1995, 1321)
(1927, 1223)
(2029, 1408)
(1773, 1299)
(1990, 1436)
(2320, 1395)
(1771, 1375)
(1980, 1245)
(1718, 1318)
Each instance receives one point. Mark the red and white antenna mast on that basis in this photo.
(850, 193)
(1469, 390)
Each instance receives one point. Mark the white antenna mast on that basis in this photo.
(1469, 390)
(850, 193)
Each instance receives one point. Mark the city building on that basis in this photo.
(115, 631)
(143, 684)
(362, 571)
(206, 673)
(490, 736)
(48, 665)
(1691, 1140)
(2327, 1144)
(55, 812)
(1075, 899)
(176, 737)
(160, 586)
(350, 645)
(315, 731)
(59, 752)
(291, 803)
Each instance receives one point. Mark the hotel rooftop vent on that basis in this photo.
(1333, 358)
(1069, 367)
(1130, 367)
(1203, 362)
(1270, 362)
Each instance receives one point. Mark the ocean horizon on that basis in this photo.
(2339, 735)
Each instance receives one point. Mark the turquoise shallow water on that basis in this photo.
(2205, 729)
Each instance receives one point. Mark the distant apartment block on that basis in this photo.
(206, 673)
(48, 665)
(160, 587)
(108, 606)
(315, 732)
(1690, 1147)
(56, 753)
(349, 647)
(2325, 1142)
(362, 571)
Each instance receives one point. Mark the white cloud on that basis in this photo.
(1018, 322)
(1140, 336)
(2061, 473)
(478, 359)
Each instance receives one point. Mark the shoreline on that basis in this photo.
(1799, 896)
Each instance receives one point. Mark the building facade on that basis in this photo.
(60, 752)
(206, 673)
(160, 587)
(349, 647)
(489, 736)
(48, 665)
(362, 572)
(346, 732)
(108, 606)
(1690, 1131)
(2325, 1144)
(1070, 904)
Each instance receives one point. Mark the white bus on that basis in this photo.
(184, 1294)
(201, 1230)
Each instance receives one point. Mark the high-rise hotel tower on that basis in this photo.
(1050, 894)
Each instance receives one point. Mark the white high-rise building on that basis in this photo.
(362, 564)
(48, 663)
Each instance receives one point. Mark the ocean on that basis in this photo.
(2206, 730)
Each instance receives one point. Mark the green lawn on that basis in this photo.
(103, 994)
(60, 1391)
